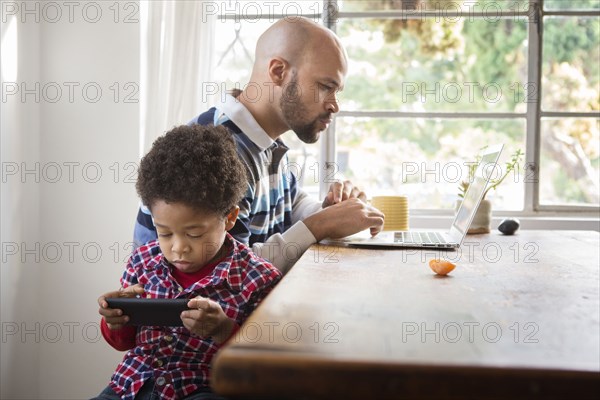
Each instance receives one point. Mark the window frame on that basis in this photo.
(533, 115)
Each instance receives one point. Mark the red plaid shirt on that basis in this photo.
(178, 360)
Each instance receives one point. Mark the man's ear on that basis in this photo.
(278, 69)
(232, 217)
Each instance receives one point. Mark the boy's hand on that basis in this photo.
(207, 319)
(114, 317)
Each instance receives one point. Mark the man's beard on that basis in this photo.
(294, 112)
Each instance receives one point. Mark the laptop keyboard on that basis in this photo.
(419, 237)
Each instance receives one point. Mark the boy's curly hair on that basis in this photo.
(195, 165)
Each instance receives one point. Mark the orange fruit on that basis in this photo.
(441, 266)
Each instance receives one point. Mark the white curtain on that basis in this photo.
(176, 58)
(19, 204)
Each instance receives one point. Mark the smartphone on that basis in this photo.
(152, 312)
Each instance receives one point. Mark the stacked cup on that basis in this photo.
(395, 209)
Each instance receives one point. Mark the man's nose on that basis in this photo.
(332, 105)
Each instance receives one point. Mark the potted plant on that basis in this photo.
(483, 217)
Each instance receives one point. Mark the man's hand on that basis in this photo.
(341, 191)
(114, 317)
(207, 319)
(344, 219)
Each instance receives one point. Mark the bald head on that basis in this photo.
(296, 40)
(299, 67)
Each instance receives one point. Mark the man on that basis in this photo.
(299, 67)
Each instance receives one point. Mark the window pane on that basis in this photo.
(426, 159)
(424, 65)
(234, 56)
(571, 64)
(571, 4)
(247, 11)
(233, 59)
(442, 7)
(569, 161)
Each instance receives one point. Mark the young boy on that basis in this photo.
(192, 180)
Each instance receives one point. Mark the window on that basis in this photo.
(570, 104)
(433, 81)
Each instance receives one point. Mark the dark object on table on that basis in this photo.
(509, 226)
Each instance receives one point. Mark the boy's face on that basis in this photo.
(189, 239)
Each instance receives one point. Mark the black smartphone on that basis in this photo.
(153, 312)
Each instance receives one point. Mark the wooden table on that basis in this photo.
(518, 318)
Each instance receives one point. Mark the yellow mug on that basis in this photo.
(395, 209)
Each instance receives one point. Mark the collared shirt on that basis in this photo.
(176, 359)
(273, 206)
(266, 209)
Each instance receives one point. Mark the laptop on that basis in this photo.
(462, 221)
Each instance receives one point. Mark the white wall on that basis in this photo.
(81, 200)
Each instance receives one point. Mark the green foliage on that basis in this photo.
(392, 58)
(571, 4)
(574, 41)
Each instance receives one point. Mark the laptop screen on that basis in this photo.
(486, 169)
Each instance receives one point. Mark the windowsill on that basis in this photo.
(543, 221)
